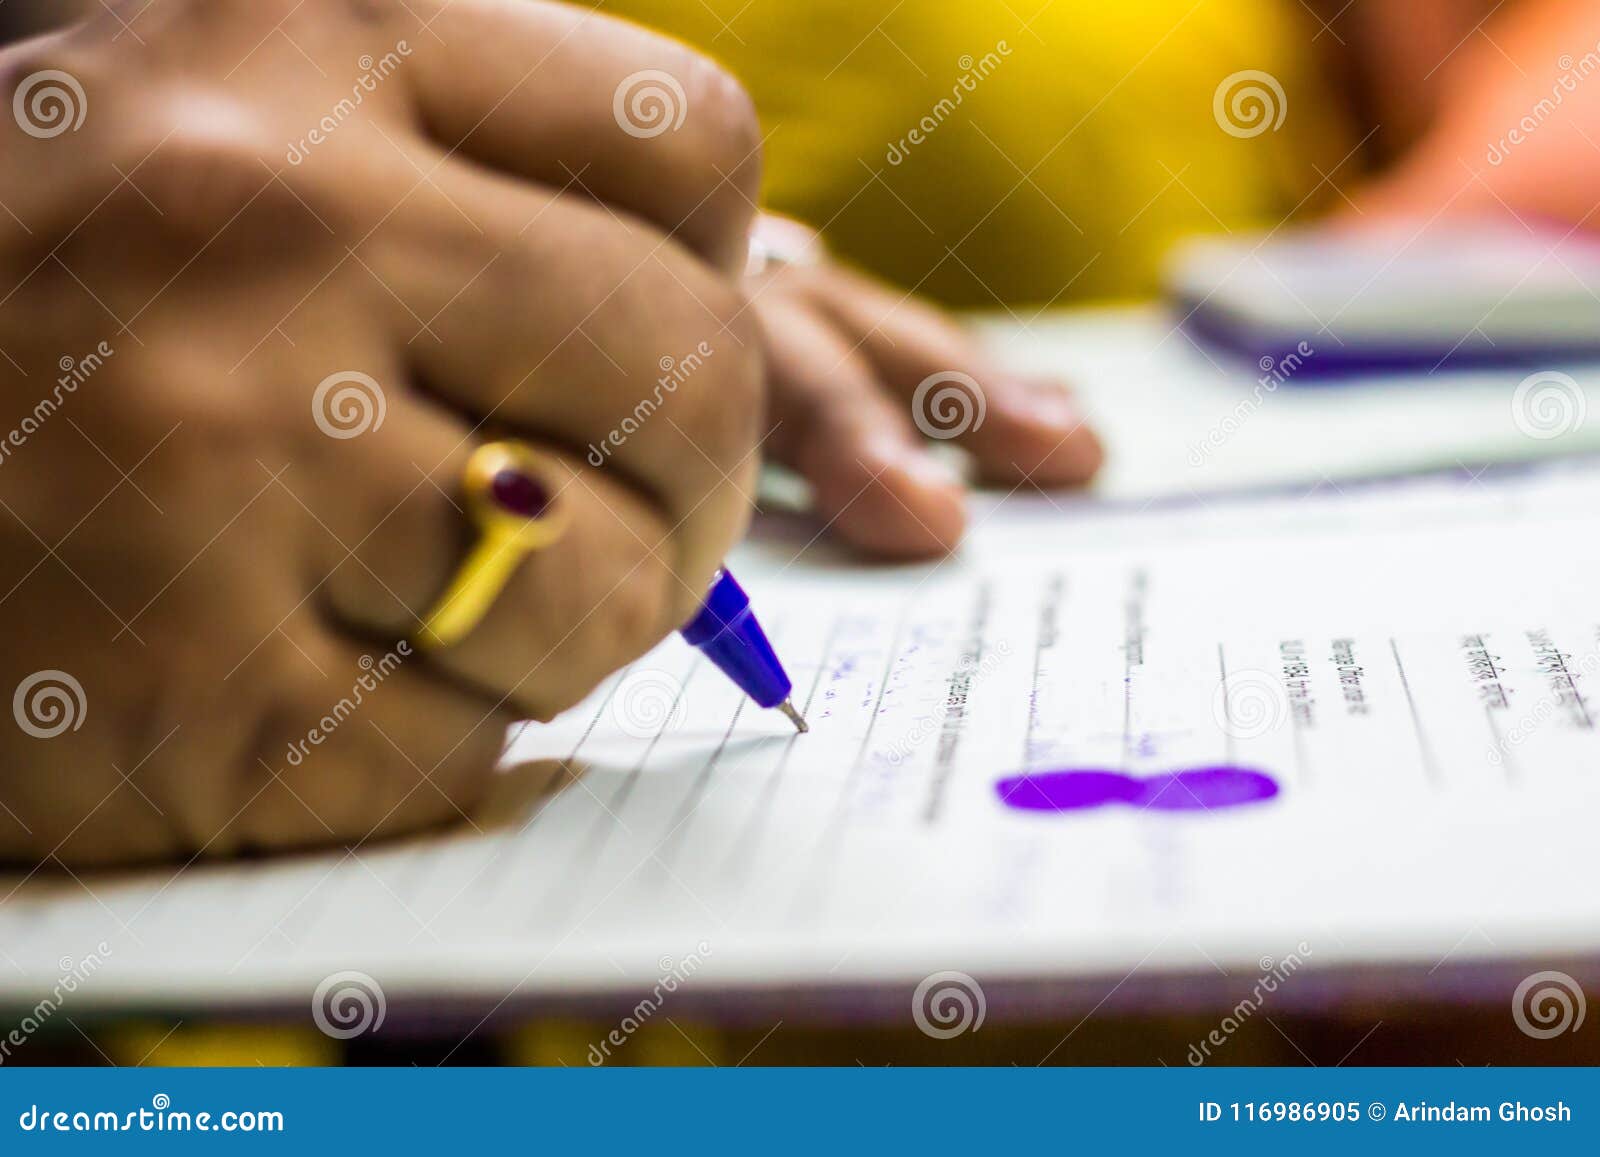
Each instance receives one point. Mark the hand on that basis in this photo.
(258, 307)
(1512, 136)
(864, 378)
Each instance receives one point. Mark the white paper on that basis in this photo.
(1180, 419)
(1413, 663)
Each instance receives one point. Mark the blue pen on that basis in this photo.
(726, 632)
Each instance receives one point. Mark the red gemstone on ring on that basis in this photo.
(519, 492)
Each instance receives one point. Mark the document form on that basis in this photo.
(1105, 742)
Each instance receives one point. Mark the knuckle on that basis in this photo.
(732, 403)
(208, 167)
(634, 616)
(702, 370)
(209, 423)
(163, 156)
(220, 184)
(712, 154)
(607, 623)
(730, 148)
(210, 140)
(728, 135)
(626, 615)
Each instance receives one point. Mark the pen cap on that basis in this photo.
(727, 633)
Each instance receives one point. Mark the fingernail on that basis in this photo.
(1052, 407)
(927, 470)
(911, 462)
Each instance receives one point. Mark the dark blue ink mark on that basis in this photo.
(1190, 789)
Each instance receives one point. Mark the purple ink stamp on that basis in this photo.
(1184, 790)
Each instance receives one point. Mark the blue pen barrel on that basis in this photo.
(727, 633)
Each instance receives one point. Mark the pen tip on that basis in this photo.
(799, 720)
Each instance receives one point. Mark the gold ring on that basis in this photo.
(515, 512)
